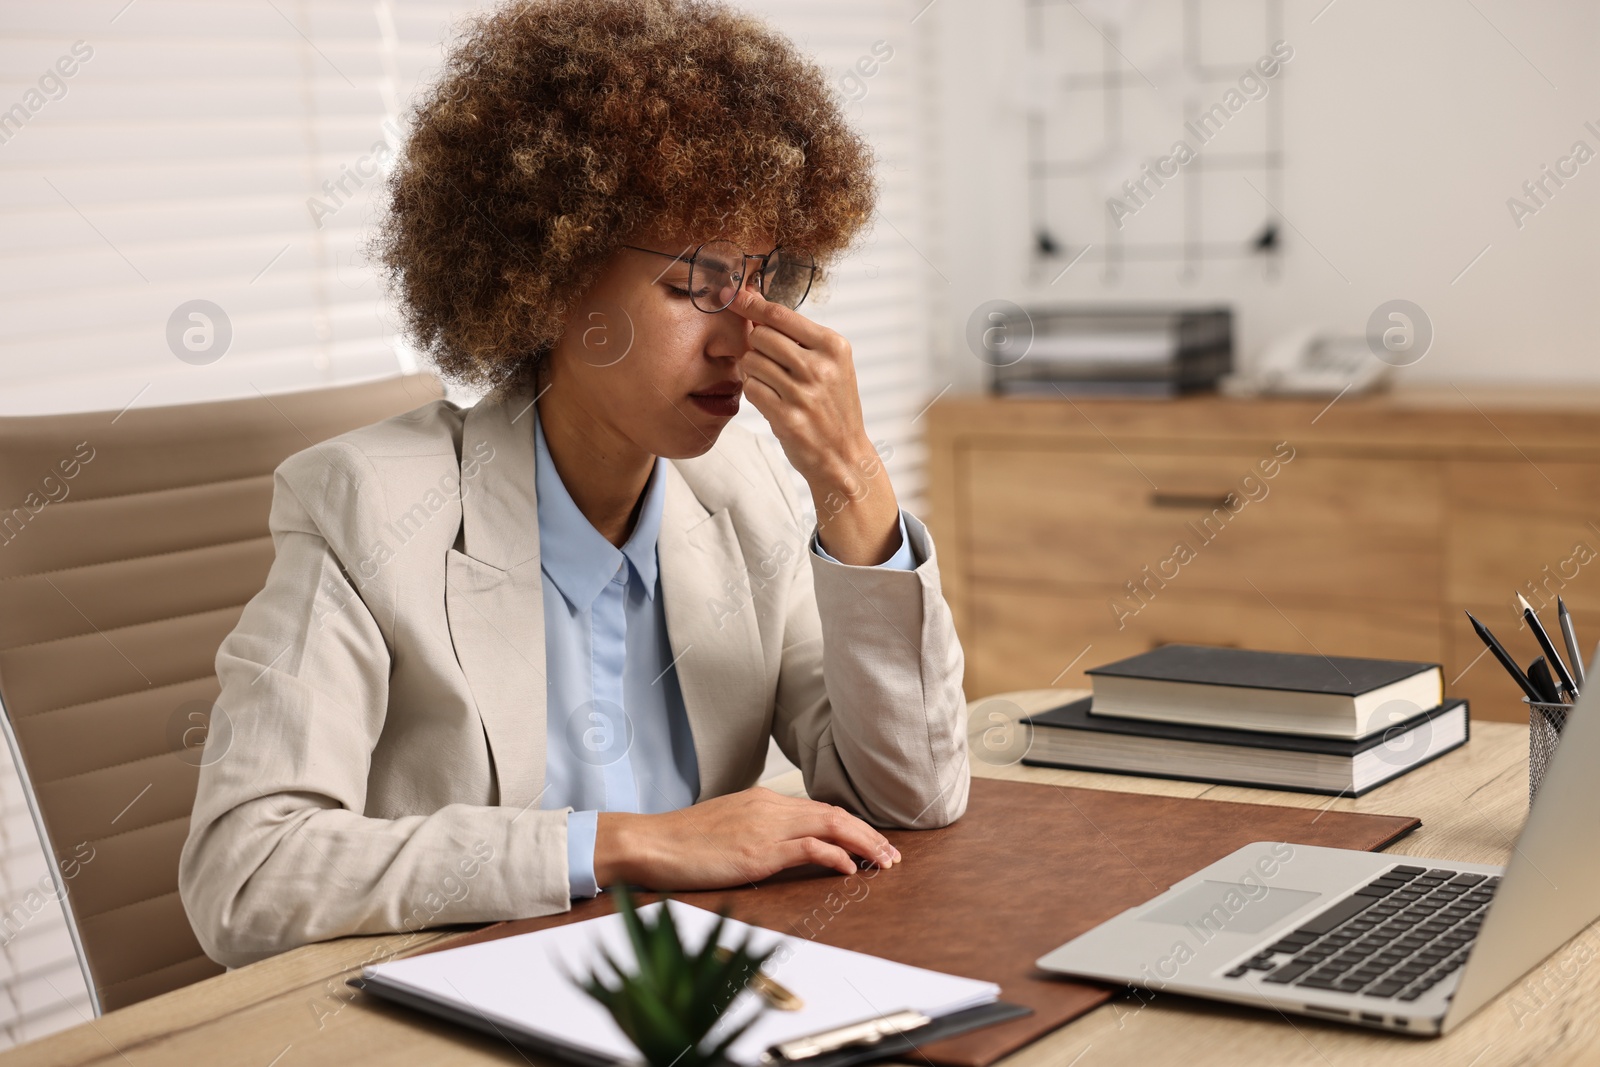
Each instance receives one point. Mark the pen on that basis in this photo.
(1539, 674)
(1545, 643)
(864, 1033)
(1571, 637)
(1505, 659)
(777, 995)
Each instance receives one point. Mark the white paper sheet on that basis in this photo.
(516, 982)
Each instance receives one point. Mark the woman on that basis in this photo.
(510, 654)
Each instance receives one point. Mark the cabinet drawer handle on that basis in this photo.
(1187, 501)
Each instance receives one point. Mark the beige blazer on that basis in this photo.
(376, 756)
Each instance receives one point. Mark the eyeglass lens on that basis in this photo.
(721, 264)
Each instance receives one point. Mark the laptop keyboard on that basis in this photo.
(1396, 937)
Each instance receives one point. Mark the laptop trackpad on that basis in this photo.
(1237, 907)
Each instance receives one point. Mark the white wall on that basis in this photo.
(1407, 127)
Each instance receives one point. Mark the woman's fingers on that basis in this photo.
(752, 305)
(800, 850)
(782, 351)
(761, 368)
(834, 824)
(756, 833)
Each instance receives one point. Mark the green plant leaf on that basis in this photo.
(720, 1050)
(674, 997)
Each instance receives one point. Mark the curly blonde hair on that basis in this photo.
(558, 128)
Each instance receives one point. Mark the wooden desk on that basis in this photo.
(294, 1010)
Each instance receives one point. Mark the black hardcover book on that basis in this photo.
(1072, 736)
(1283, 692)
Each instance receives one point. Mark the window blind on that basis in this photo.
(878, 298)
(42, 989)
(165, 152)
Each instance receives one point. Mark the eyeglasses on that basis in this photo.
(784, 275)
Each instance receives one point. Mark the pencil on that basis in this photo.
(1545, 643)
(1505, 659)
(1570, 635)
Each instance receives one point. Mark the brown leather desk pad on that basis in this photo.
(1027, 868)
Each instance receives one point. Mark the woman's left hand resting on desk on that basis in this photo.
(730, 840)
(801, 376)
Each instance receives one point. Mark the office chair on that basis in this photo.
(129, 544)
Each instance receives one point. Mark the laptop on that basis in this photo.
(1398, 943)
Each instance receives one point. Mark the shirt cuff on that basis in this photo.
(581, 827)
(902, 560)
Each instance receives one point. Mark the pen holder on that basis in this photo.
(1545, 723)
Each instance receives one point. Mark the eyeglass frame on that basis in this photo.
(762, 271)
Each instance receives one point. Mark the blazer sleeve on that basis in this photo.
(279, 852)
(869, 703)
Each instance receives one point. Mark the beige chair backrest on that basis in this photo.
(129, 544)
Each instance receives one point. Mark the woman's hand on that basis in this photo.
(801, 376)
(732, 840)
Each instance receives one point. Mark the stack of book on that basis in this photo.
(1128, 351)
(1279, 720)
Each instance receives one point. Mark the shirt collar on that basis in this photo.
(573, 553)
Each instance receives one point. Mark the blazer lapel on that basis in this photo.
(716, 644)
(494, 595)
(494, 601)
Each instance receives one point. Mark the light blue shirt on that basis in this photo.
(617, 734)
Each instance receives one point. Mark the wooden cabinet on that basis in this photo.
(1072, 533)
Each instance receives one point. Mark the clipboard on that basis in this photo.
(885, 1047)
(908, 1041)
(523, 989)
